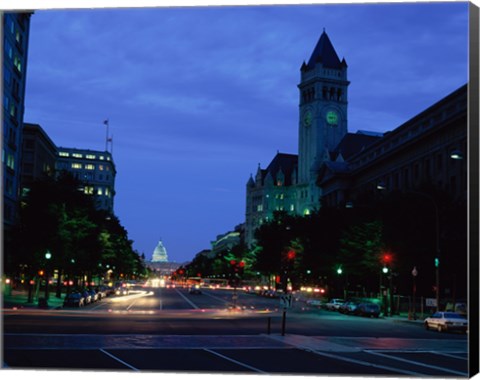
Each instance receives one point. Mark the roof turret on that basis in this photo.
(324, 53)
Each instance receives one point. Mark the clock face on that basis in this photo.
(332, 118)
(307, 118)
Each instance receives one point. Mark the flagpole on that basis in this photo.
(106, 139)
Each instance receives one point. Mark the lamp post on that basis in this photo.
(48, 256)
(414, 291)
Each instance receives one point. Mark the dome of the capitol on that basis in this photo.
(159, 254)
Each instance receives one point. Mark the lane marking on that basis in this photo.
(367, 364)
(236, 361)
(418, 363)
(118, 360)
(131, 305)
(449, 355)
(186, 299)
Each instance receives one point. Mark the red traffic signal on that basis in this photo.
(291, 254)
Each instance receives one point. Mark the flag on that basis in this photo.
(105, 122)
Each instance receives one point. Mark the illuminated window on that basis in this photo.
(260, 208)
(17, 63)
(101, 157)
(107, 192)
(76, 166)
(77, 155)
(90, 167)
(88, 190)
(90, 156)
(99, 191)
(11, 161)
(292, 208)
(100, 167)
(63, 154)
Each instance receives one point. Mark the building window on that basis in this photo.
(90, 157)
(76, 166)
(90, 167)
(63, 154)
(100, 167)
(89, 190)
(99, 191)
(17, 63)
(77, 155)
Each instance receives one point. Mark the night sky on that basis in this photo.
(197, 97)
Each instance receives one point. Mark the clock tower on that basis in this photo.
(322, 117)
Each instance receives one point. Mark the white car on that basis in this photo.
(334, 304)
(446, 321)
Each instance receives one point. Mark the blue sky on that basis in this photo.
(197, 97)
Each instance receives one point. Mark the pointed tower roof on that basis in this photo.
(325, 54)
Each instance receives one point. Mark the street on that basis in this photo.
(171, 330)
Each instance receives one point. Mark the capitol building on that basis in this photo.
(160, 263)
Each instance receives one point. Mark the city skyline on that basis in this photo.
(197, 100)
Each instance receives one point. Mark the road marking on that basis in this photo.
(418, 363)
(131, 305)
(186, 299)
(448, 355)
(236, 362)
(118, 360)
(368, 364)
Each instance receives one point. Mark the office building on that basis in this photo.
(95, 169)
(16, 28)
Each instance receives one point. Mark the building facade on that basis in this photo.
(95, 169)
(426, 150)
(16, 28)
(39, 155)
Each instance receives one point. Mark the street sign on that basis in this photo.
(431, 302)
(286, 301)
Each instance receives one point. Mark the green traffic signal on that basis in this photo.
(437, 262)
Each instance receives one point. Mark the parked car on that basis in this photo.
(74, 299)
(334, 304)
(87, 297)
(101, 292)
(315, 302)
(368, 309)
(446, 321)
(348, 307)
(195, 290)
(93, 294)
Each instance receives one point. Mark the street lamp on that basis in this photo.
(48, 256)
(414, 291)
(456, 155)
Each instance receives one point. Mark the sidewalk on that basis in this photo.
(19, 299)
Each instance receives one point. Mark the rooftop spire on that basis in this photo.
(324, 53)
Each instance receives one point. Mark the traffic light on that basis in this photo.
(386, 258)
(339, 270)
(437, 262)
(291, 255)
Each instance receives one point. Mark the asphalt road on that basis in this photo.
(172, 330)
